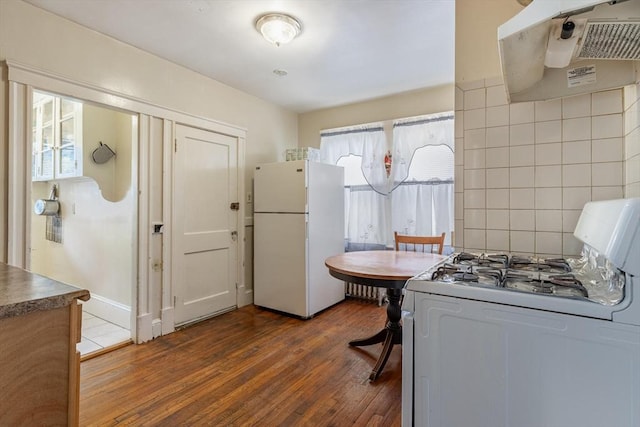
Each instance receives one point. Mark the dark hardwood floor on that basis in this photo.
(249, 367)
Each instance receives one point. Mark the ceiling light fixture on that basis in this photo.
(278, 28)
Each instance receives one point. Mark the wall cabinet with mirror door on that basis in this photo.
(57, 137)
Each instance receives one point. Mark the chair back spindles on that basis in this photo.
(419, 242)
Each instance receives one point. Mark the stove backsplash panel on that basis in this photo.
(524, 171)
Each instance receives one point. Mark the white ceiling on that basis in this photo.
(349, 50)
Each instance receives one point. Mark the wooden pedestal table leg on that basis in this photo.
(390, 335)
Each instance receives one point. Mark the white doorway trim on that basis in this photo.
(146, 311)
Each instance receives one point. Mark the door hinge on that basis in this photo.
(235, 206)
(175, 145)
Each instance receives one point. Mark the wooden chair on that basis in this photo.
(419, 243)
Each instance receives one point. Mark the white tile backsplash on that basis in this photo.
(548, 243)
(522, 177)
(474, 159)
(522, 155)
(548, 154)
(631, 118)
(498, 240)
(548, 176)
(548, 110)
(571, 245)
(575, 197)
(497, 157)
(475, 218)
(540, 163)
(458, 153)
(474, 138)
(549, 220)
(548, 198)
(576, 106)
(550, 131)
(524, 219)
(521, 198)
(607, 193)
(474, 119)
(576, 129)
(606, 102)
(521, 112)
(497, 136)
(607, 174)
(576, 175)
(459, 123)
(607, 150)
(522, 241)
(498, 116)
(576, 152)
(474, 98)
(609, 126)
(474, 178)
(497, 198)
(496, 95)
(523, 134)
(570, 220)
(474, 238)
(459, 208)
(497, 178)
(459, 99)
(475, 199)
(498, 219)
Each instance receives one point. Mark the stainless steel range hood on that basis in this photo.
(557, 48)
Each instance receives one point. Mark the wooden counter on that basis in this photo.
(40, 325)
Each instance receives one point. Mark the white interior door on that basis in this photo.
(205, 251)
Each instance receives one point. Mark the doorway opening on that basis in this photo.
(82, 172)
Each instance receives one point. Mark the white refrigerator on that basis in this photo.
(298, 223)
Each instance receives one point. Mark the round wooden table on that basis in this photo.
(383, 269)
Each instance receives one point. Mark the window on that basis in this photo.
(366, 214)
(417, 197)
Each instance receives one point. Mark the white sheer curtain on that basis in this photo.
(366, 215)
(422, 195)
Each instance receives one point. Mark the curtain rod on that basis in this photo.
(423, 121)
(345, 132)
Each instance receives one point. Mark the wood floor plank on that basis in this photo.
(249, 367)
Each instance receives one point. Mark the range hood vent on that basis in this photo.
(607, 40)
(541, 60)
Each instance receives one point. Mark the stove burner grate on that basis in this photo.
(563, 284)
(491, 260)
(549, 264)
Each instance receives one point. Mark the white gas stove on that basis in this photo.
(504, 340)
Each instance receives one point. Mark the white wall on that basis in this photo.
(409, 104)
(115, 129)
(477, 24)
(41, 40)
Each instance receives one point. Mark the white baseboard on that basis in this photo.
(167, 319)
(156, 328)
(109, 310)
(245, 296)
(145, 328)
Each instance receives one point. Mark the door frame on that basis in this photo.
(151, 303)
